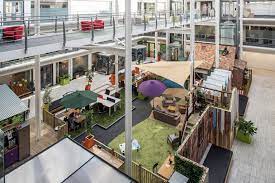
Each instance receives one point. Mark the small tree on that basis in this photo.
(47, 99)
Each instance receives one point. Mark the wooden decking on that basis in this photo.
(48, 137)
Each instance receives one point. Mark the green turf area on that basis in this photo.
(152, 137)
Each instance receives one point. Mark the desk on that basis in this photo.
(108, 103)
(166, 170)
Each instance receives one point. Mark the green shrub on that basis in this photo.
(246, 127)
(188, 169)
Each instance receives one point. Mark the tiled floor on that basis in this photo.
(255, 163)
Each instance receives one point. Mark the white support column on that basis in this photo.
(192, 42)
(192, 53)
(37, 81)
(217, 33)
(156, 46)
(116, 12)
(116, 73)
(185, 8)
(37, 16)
(54, 73)
(156, 33)
(128, 89)
(90, 61)
(241, 28)
(167, 45)
(70, 67)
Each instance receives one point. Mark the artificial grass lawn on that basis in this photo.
(152, 137)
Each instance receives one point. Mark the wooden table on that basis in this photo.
(166, 170)
(67, 113)
(80, 119)
(116, 162)
(171, 108)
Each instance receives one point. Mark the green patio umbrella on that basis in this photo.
(79, 99)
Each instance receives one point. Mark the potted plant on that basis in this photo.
(47, 99)
(64, 80)
(17, 119)
(90, 76)
(246, 129)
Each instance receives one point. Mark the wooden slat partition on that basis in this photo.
(54, 122)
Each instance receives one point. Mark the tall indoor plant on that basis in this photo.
(246, 129)
(90, 76)
(47, 99)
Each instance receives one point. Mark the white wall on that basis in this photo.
(27, 7)
(262, 8)
(89, 6)
(1, 7)
(260, 60)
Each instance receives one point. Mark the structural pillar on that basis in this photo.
(116, 12)
(167, 45)
(70, 67)
(37, 81)
(241, 29)
(54, 73)
(90, 61)
(116, 73)
(128, 88)
(192, 53)
(156, 45)
(217, 33)
(185, 15)
(37, 16)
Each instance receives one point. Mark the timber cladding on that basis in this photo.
(214, 127)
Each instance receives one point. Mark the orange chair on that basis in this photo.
(112, 79)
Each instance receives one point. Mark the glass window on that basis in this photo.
(80, 66)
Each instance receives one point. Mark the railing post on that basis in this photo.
(96, 16)
(77, 22)
(55, 25)
(144, 22)
(181, 20)
(139, 173)
(114, 28)
(165, 20)
(174, 17)
(111, 20)
(29, 26)
(64, 34)
(156, 21)
(26, 37)
(92, 30)
(123, 20)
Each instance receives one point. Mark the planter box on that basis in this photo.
(89, 142)
(64, 81)
(244, 138)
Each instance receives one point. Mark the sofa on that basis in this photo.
(13, 32)
(86, 25)
(170, 118)
(98, 24)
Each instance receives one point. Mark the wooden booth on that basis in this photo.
(14, 127)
